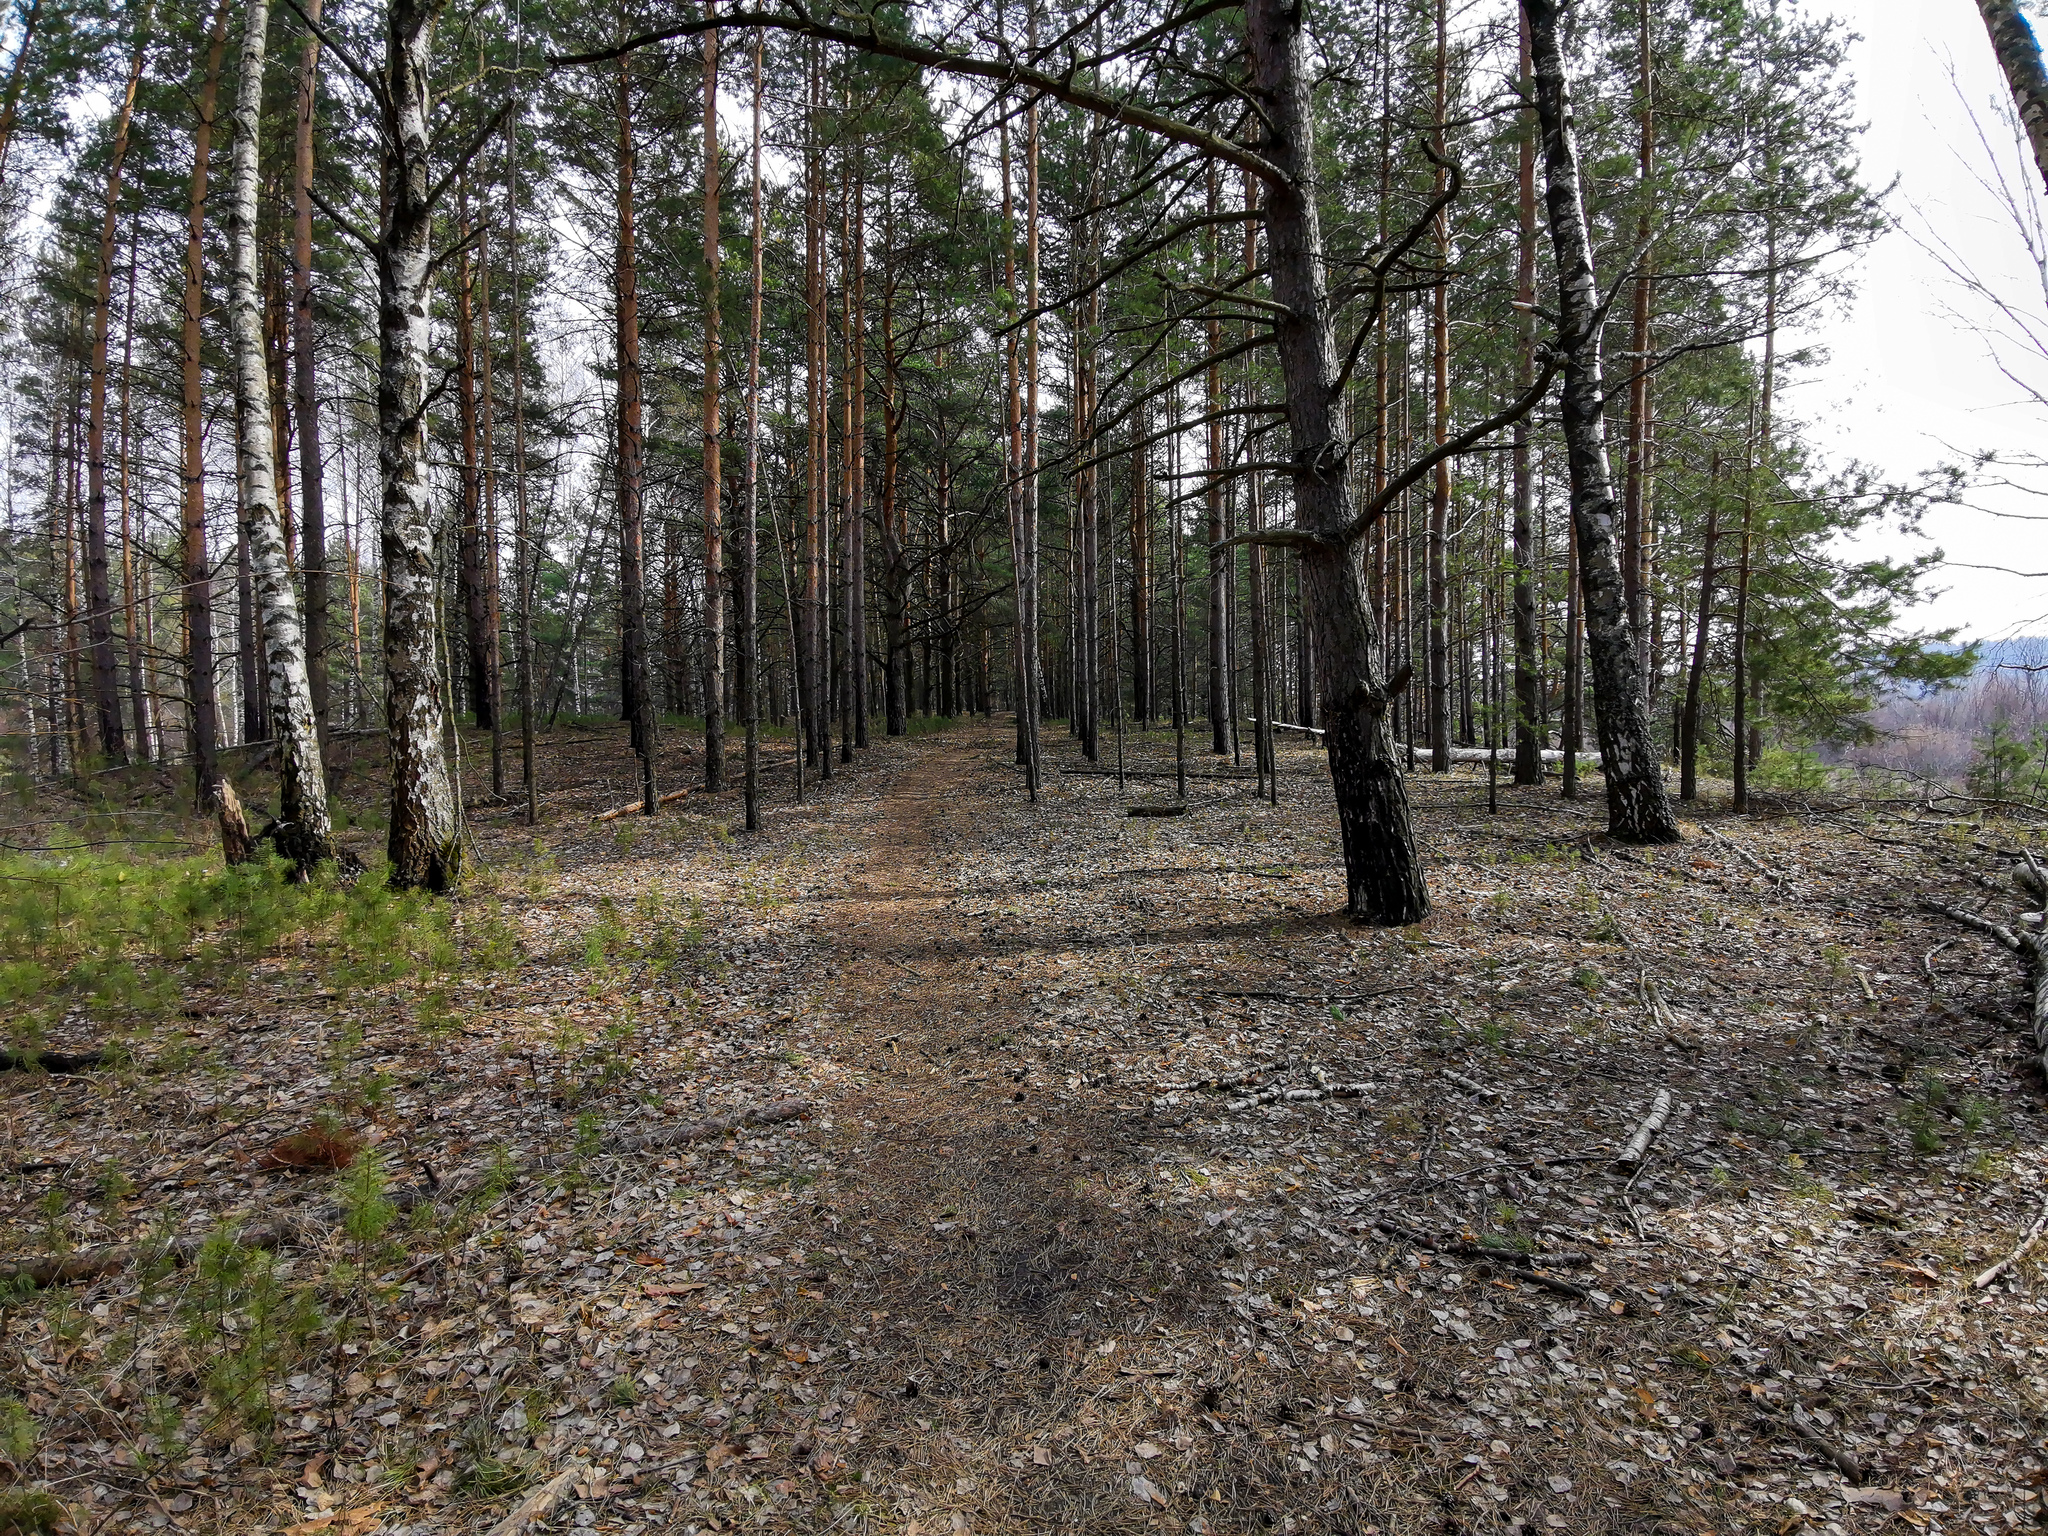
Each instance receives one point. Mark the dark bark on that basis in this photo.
(1695, 677)
(714, 499)
(1638, 809)
(204, 719)
(637, 681)
(305, 384)
(99, 589)
(1383, 872)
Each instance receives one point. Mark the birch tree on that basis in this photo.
(305, 833)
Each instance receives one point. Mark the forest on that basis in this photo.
(1001, 766)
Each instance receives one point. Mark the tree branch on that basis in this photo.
(1001, 71)
(1376, 508)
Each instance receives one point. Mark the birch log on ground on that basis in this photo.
(1638, 809)
(305, 832)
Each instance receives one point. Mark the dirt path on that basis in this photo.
(968, 1190)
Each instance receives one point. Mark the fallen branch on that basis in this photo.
(2032, 953)
(112, 1258)
(2026, 1246)
(49, 1061)
(540, 1503)
(626, 810)
(1744, 854)
(1470, 1086)
(1849, 1466)
(1646, 1131)
(1520, 1265)
(1175, 808)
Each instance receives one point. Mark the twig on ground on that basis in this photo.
(2026, 1246)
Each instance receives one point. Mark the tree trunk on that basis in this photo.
(1695, 678)
(16, 74)
(637, 679)
(750, 631)
(305, 835)
(1638, 810)
(522, 559)
(198, 567)
(135, 602)
(2019, 55)
(1635, 496)
(425, 843)
(1439, 598)
(1219, 562)
(714, 506)
(469, 512)
(305, 384)
(1528, 678)
(1383, 874)
(99, 591)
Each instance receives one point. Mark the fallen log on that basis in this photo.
(1507, 754)
(1520, 1265)
(540, 1503)
(2032, 952)
(1646, 1131)
(2026, 1246)
(627, 810)
(1175, 808)
(112, 1258)
(50, 1061)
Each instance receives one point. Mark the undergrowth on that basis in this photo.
(125, 933)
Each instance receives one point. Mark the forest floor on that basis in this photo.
(1101, 1178)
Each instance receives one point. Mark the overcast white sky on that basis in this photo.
(1909, 381)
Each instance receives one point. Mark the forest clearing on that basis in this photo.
(1051, 1168)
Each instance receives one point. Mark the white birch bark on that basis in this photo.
(425, 841)
(305, 833)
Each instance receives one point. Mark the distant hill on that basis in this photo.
(1937, 733)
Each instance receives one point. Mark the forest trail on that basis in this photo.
(1133, 1189)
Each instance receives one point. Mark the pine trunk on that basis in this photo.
(305, 384)
(99, 590)
(1383, 873)
(714, 506)
(204, 713)
(637, 681)
(1528, 678)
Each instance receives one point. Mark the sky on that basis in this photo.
(1909, 378)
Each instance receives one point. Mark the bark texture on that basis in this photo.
(1383, 872)
(305, 834)
(1638, 809)
(198, 568)
(424, 844)
(2019, 55)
